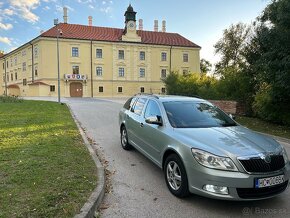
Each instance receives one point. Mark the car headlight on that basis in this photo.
(212, 161)
(285, 156)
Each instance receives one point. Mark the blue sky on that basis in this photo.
(201, 21)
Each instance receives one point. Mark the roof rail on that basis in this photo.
(149, 94)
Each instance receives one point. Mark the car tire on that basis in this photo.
(124, 139)
(175, 176)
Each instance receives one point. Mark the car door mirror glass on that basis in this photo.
(154, 120)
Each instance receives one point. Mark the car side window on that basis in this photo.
(152, 109)
(138, 107)
(127, 104)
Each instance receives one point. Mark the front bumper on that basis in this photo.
(240, 184)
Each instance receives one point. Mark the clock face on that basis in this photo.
(131, 25)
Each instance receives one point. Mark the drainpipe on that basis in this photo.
(170, 59)
(32, 62)
(92, 85)
(5, 77)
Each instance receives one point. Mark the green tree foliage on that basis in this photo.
(231, 47)
(269, 57)
(205, 66)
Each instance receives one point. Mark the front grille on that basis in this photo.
(258, 165)
(252, 193)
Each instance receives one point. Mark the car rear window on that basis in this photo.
(138, 107)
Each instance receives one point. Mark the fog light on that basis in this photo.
(216, 189)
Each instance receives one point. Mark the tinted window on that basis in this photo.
(138, 107)
(129, 103)
(196, 115)
(152, 109)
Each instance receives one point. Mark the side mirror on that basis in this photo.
(232, 117)
(154, 120)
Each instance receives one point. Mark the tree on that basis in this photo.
(205, 66)
(270, 58)
(231, 47)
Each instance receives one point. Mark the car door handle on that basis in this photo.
(141, 124)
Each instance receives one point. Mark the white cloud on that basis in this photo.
(7, 26)
(5, 40)
(91, 6)
(24, 9)
(8, 12)
(103, 2)
(106, 10)
(46, 8)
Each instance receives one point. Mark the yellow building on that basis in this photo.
(97, 61)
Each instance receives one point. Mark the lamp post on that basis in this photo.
(59, 32)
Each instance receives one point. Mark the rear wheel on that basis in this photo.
(175, 176)
(124, 139)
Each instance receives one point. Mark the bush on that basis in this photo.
(10, 99)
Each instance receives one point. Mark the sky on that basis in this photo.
(200, 21)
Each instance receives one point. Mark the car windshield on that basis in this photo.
(189, 114)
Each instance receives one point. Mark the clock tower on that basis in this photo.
(130, 32)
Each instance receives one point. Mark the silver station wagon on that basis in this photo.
(202, 150)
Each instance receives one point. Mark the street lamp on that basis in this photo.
(59, 32)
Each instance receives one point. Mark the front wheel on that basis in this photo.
(124, 139)
(175, 176)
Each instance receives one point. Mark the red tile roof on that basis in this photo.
(75, 31)
(15, 86)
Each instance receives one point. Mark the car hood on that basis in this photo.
(231, 141)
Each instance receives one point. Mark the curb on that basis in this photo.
(95, 199)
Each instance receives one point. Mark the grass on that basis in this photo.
(265, 127)
(45, 169)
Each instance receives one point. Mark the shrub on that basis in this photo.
(10, 99)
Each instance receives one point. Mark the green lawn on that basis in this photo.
(265, 127)
(45, 169)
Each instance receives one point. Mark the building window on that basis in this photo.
(4, 79)
(163, 73)
(3, 66)
(7, 64)
(76, 70)
(185, 57)
(7, 78)
(142, 55)
(15, 61)
(99, 71)
(99, 53)
(185, 72)
(121, 55)
(24, 82)
(24, 66)
(23, 52)
(121, 72)
(120, 89)
(11, 76)
(163, 56)
(75, 52)
(11, 64)
(101, 89)
(36, 71)
(142, 72)
(163, 90)
(142, 89)
(52, 88)
(35, 52)
(16, 76)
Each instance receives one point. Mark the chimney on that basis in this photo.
(65, 14)
(90, 20)
(164, 26)
(140, 24)
(155, 25)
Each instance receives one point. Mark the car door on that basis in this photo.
(152, 134)
(134, 121)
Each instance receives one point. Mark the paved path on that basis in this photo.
(139, 189)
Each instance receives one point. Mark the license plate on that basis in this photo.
(270, 181)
